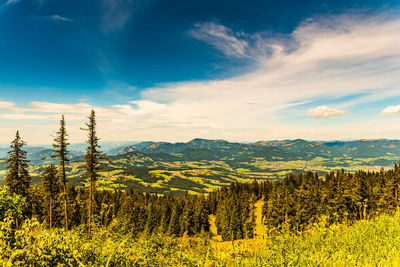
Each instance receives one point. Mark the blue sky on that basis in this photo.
(175, 70)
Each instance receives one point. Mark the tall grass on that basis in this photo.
(374, 242)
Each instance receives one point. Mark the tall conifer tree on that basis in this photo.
(92, 158)
(61, 152)
(51, 187)
(17, 178)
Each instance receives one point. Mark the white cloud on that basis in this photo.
(60, 18)
(390, 110)
(323, 112)
(6, 105)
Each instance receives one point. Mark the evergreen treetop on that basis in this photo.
(17, 179)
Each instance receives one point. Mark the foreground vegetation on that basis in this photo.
(373, 242)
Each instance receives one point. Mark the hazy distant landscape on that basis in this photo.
(201, 165)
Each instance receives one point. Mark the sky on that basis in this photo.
(181, 69)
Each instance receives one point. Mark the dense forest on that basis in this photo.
(292, 204)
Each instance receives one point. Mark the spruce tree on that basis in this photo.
(187, 220)
(165, 218)
(174, 224)
(17, 178)
(61, 152)
(92, 158)
(51, 187)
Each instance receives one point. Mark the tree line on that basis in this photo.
(303, 199)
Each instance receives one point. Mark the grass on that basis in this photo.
(367, 243)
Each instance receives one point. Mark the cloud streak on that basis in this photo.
(60, 18)
(223, 38)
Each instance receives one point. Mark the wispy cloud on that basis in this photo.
(11, 2)
(53, 18)
(390, 110)
(116, 13)
(323, 112)
(229, 42)
(59, 18)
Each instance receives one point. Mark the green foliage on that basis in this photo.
(93, 152)
(61, 152)
(17, 178)
(51, 188)
(92, 158)
(60, 147)
(32, 245)
(12, 206)
(235, 212)
(50, 182)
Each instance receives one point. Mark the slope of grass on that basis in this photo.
(367, 243)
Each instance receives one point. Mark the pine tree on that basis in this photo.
(201, 215)
(92, 158)
(174, 224)
(61, 152)
(187, 223)
(51, 187)
(165, 218)
(17, 178)
(153, 218)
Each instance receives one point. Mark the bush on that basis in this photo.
(12, 206)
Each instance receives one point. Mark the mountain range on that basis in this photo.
(201, 165)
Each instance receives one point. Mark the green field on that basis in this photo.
(199, 176)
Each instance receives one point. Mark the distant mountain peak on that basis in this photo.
(156, 144)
